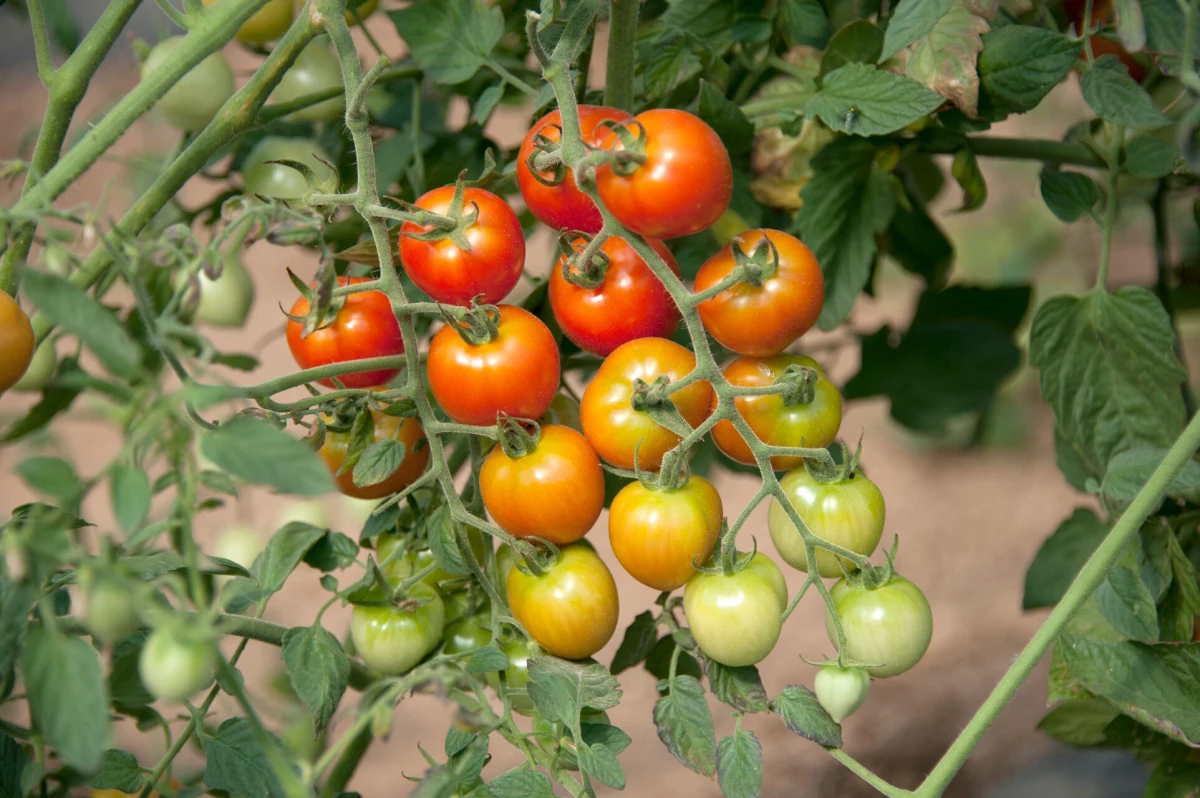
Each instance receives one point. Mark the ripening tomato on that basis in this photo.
(683, 186)
(888, 629)
(364, 9)
(631, 303)
(515, 373)
(316, 69)
(392, 640)
(562, 206)
(736, 619)
(193, 101)
(841, 691)
(813, 425)
(16, 342)
(407, 431)
(849, 514)
(279, 180)
(571, 609)
(762, 320)
(174, 666)
(399, 560)
(266, 24)
(365, 327)
(555, 492)
(611, 424)
(658, 535)
(452, 275)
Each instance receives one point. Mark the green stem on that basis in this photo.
(41, 42)
(1110, 210)
(276, 110)
(1162, 284)
(1056, 152)
(512, 79)
(1090, 576)
(346, 764)
(622, 53)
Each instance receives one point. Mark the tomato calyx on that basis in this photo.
(459, 218)
(758, 265)
(315, 184)
(873, 577)
(585, 267)
(799, 385)
(632, 154)
(518, 437)
(538, 555)
(477, 325)
(323, 306)
(831, 471)
(547, 157)
(654, 399)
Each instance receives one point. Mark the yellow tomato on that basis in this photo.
(267, 24)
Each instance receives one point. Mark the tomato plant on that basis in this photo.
(487, 268)
(364, 327)
(659, 536)
(571, 608)
(631, 303)
(736, 617)
(195, 99)
(888, 628)
(392, 640)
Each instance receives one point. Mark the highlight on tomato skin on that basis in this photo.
(736, 618)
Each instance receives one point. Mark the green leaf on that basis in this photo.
(318, 668)
(726, 118)
(659, 661)
(12, 765)
(803, 22)
(64, 29)
(124, 680)
(601, 764)
(860, 42)
(685, 725)
(487, 659)
(56, 398)
(255, 451)
(75, 311)
(1181, 604)
(1152, 556)
(1079, 722)
(606, 734)
(130, 491)
(943, 58)
(1059, 559)
(450, 39)
(1069, 195)
(562, 689)
(740, 765)
(1107, 368)
(954, 357)
(443, 542)
(487, 102)
(332, 552)
(637, 644)
(51, 476)
(378, 462)
(1150, 158)
(284, 551)
(911, 20)
(520, 784)
(740, 688)
(1157, 685)
(920, 245)
(1020, 64)
(1130, 470)
(1117, 98)
(1126, 602)
(965, 169)
(1166, 26)
(16, 601)
(237, 764)
(64, 682)
(803, 714)
(1131, 25)
(457, 739)
(847, 202)
(866, 101)
(119, 770)
(1174, 780)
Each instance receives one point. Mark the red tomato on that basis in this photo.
(453, 275)
(657, 536)
(762, 320)
(631, 303)
(516, 373)
(563, 206)
(683, 186)
(611, 424)
(812, 425)
(364, 327)
(555, 492)
(571, 609)
(406, 430)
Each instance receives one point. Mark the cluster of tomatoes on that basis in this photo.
(549, 486)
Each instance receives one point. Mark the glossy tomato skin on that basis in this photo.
(684, 185)
(813, 425)
(630, 304)
(316, 69)
(736, 618)
(278, 180)
(888, 628)
(398, 565)
(364, 327)
(563, 206)
(516, 373)
(392, 640)
(465, 635)
(193, 101)
(841, 691)
(611, 424)
(265, 25)
(455, 276)
(555, 492)
(226, 301)
(848, 513)
(658, 535)
(175, 668)
(407, 431)
(762, 320)
(571, 609)
(16, 342)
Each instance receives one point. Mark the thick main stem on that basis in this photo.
(622, 52)
(1090, 576)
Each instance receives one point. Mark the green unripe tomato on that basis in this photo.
(736, 619)
(40, 370)
(516, 676)
(111, 613)
(241, 544)
(308, 512)
(397, 567)
(392, 640)
(465, 635)
(552, 734)
(849, 514)
(192, 102)
(280, 181)
(174, 666)
(888, 628)
(226, 301)
(315, 69)
(841, 691)
(505, 558)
